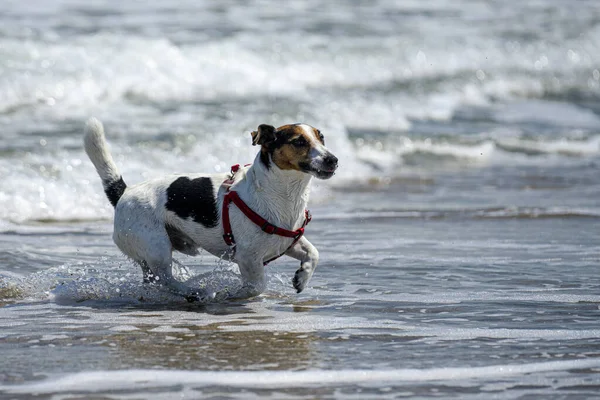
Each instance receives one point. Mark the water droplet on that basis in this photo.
(573, 56)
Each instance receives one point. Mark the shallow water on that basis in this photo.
(459, 242)
(412, 306)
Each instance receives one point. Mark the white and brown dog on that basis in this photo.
(187, 212)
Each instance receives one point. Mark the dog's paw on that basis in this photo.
(191, 295)
(150, 279)
(197, 297)
(300, 280)
(192, 298)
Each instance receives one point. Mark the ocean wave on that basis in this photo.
(62, 186)
(388, 83)
(488, 149)
(466, 213)
(95, 382)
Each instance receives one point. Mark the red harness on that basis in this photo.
(232, 197)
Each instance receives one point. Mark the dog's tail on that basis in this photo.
(97, 150)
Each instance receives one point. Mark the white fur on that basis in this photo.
(318, 152)
(280, 196)
(97, 149)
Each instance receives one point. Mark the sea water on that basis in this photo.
(459, 240)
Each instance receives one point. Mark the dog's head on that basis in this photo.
(297, 147)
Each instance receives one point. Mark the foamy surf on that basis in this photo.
(117, 282)
(553, 374)
(62, 185)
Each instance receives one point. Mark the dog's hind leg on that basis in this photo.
(147, 274)
(152, 251)
(154, 256)
(253, 277)
(157, 268)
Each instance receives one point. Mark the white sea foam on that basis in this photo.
(492, 213)
(493, 150)
(113, 68)
(94, 382)
(62, 185)
(546, 112)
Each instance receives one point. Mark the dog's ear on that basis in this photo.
(264, 135)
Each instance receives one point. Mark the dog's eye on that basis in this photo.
(300, 142)
(321, 136)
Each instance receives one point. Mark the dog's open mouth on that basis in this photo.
(320, 171)
(324, 173)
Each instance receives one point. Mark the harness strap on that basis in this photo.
(233, 197)
(234, 168)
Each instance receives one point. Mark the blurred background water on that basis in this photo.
(459, 240)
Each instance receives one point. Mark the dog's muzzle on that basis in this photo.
(327, 167)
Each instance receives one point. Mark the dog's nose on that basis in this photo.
(331, 161)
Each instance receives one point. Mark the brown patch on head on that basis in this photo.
(293, 146)
(287, 157)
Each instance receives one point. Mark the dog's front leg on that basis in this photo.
(309, 257)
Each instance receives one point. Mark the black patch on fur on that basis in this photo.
(181, 242)
(266, 134)
(265, 157)
(114, 190)
(193, 198)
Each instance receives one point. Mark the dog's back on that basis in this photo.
(179, 208)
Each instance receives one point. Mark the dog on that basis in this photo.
(187, 212)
